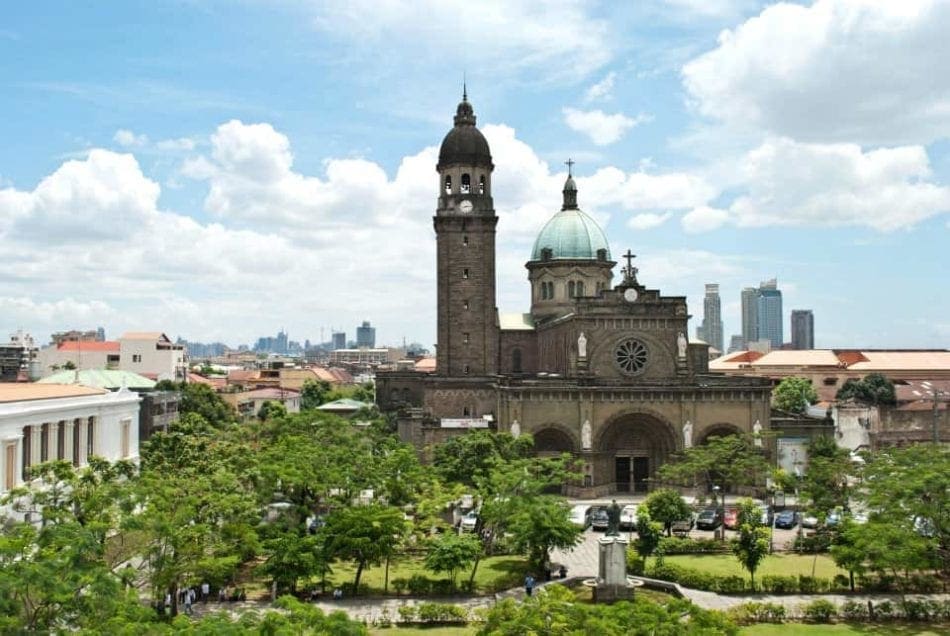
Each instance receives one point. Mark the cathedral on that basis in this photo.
(600, 370)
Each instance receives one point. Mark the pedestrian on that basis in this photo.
(188, 599)
(528, 585)
(205, 590)
(337, 594)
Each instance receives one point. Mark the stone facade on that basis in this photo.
(601, 371)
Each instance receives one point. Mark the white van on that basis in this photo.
(580, 515)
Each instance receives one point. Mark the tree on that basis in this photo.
(666, 506)
(649, 532)
(752, 544)
(726, 461)
(364, 534)
(468, 457)
(825, 482)
(271, 409)
(873, 389)
(202, 400)
(452, 552)
(794, 394)
(291, 557)
(313, 393)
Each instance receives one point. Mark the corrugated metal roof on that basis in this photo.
(100, 378)
(26, 391)
(516, 322)
(343, 404)
(900, 360)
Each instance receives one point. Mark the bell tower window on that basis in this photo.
(570, 289)
(466, 183)
(448, 184)
(579, 288)
(465, 273)
(481, 184)
(465, 240)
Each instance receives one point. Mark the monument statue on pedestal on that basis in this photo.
(613, 519)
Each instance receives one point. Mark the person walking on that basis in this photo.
(189, 596)
(205, 590)
(528, 585)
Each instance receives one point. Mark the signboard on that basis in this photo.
(463, 422)
(792, 455)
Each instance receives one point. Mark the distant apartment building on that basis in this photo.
(736, 343)
(91, 335)
(151, 354)
(366, 336)
(762, 314)
(18, 358)
(338, 340)
(803, 329)
(750, 314)
(364, 357)
(710, 331)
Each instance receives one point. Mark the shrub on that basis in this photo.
(841, 582)
(442, 613)
(442, 587)
(819, 542)
(635, 563)
(400, 585)
(419, 585)
(855, 610)
(749, 613)
(730, 584)
(777, 584)
(923, 583)
(685, 545)
(811, 585)
(883, 611)
(820, 611)
(915, 610)
(407, 613)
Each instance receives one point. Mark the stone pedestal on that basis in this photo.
(612, 582)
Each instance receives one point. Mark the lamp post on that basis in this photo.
(719, 533)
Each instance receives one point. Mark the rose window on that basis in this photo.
(631, 356)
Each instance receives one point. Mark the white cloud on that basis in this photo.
(711, 8)
(128, 139)
(603, 129)
(181, 143)
(862, 71)
(601, 90)
(505, 38)
(648, 220)
(703, 219)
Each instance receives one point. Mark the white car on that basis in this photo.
(810, 522)
(580, 515)
(628, 518)
(468, 522)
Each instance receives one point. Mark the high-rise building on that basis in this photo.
(736, 343)
(339, 339)
(366, 336)
(769, 312)
(803, 329)
(711, 329)
(750, 314)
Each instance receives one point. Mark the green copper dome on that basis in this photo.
(570, 234)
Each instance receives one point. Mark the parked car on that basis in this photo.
(580, 515)
(683, 526)
(730, 518)
(709, 519)
(469, 521)
(786, 519)
(833, 519)
(628, 518)
(810, 522)
(599, 519)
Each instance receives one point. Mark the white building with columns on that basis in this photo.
(44, 422)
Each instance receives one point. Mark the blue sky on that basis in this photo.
(219, 170)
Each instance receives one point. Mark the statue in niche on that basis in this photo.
(681, 345)
(582, 346)
(586, 442)
(515, 429)
(687, 434)
(757, 433)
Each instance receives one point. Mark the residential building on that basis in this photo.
(151, 354)
(364, 357)
(18, 358)
(736, 343)
(60, 337)
(249, 403)
(803, 329)
(710, 331)
(41, 422)
(366, 336)
(339, 340)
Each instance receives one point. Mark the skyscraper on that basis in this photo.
(769, 310)
(339, 339)
(366, 336)
(711, 329)
(750, 315)
(803, 329)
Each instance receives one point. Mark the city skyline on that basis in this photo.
(165, 167)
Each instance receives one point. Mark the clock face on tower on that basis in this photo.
(630, 294)
(465, 206)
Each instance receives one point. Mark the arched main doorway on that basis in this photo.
(632, 447)
(552, 441)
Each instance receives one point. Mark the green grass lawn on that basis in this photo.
(842, 629)
(774, 564)
(493, 574)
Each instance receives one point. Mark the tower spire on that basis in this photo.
(464, 88)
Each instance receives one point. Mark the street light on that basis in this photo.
(719, 533)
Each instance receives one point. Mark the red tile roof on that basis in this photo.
(73, 345)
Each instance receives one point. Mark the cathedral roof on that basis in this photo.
(570, 234)
(464, 143)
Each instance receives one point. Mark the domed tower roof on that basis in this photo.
(570, 234)
(465, 143)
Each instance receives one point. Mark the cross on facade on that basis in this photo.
(630, 272)
(570, 164)
(629, 256)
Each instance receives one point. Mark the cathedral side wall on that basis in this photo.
(526, 342)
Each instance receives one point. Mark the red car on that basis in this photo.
(731, 519)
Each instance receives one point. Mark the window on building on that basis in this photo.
(448, 184)
(481, 184)
(90, 438)
(77, 426)
(9, 466)
(465, 369)
(465, 273)
(61, 440)
(465, 338)
(516, 360)
(465, 411)
(27, 451)
(466, 184)
(580, 288)
(44, 442)
(136, 357)
(570, 289)
(465, 304)
(831, 381)
(465, 241)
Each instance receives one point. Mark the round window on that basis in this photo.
(631, 356)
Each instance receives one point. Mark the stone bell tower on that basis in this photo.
(465, 237)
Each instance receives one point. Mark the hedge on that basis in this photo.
(771, 584)
(685, 545)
